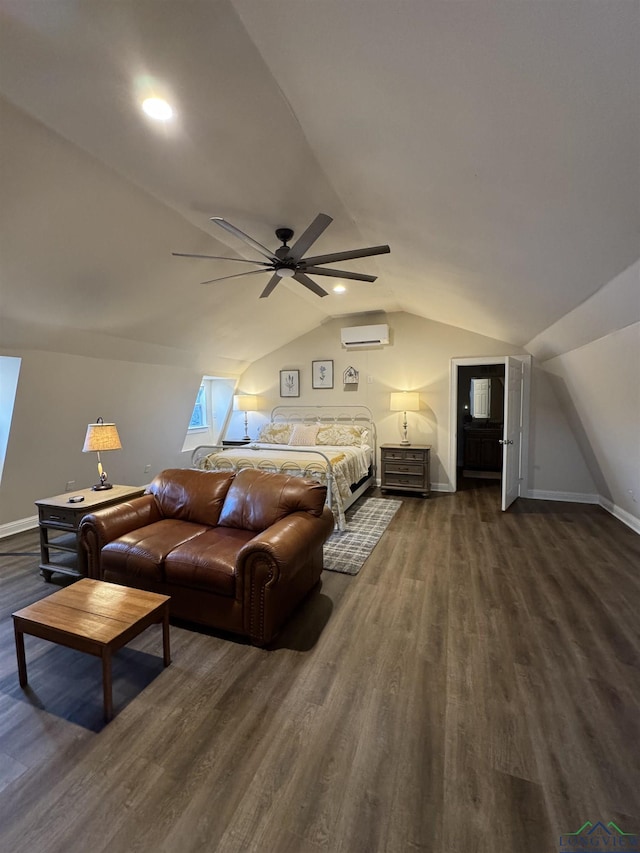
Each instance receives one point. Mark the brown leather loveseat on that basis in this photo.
(237, 552)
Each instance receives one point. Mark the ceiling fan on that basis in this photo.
(288, 261)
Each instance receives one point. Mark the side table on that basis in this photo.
(59, 519)
(405, 467)
(237, 442)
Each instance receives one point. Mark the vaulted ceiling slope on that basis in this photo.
(493, 145)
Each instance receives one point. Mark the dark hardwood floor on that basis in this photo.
(475, 689)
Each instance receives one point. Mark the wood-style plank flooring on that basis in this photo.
(476, 688)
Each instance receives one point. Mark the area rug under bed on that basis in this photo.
(346, 551)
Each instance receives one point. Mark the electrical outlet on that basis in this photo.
(370, 379)
(147, 468)
(71, 484)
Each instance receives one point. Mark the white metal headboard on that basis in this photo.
(347, 414)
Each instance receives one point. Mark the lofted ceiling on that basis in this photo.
(494, 146)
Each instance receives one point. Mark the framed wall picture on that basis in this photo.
(289, 383)
(322, 374)
(351, 376)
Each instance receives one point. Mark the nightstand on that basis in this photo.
(405, 468)
(235, 442)
(59, 521)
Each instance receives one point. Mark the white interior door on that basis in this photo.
(480, 398)
(512, 435)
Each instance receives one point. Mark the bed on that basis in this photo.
(333, 444)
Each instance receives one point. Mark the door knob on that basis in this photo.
(505, 441)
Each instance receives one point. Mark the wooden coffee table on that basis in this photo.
(93, 617)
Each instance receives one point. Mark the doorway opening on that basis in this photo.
(480, 424)
(489, 424)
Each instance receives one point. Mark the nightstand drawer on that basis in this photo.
(57, 516)
(408, 455)
(400, 467)
(415, 480)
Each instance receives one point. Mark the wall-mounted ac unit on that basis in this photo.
(365, 336)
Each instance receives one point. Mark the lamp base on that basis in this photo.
(101, 487)
(404, 441)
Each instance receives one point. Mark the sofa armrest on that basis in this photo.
(290, 541)
(99, 528)
(285, 557)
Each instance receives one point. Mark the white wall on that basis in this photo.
(600, 387)
(557, 468)
(59, 394)
(418, 358)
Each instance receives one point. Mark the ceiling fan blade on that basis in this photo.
(244, 237)
(347, 256)
(237, 275)
(301, 278)
(270, 286)
(218, 258)
(356, 276)
(309, 237)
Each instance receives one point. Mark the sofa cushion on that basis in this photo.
(257, 499)
(142, 552)
(207, 562)
(188, 495)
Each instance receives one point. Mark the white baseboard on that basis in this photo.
(19, 526)
(580, 498)
(621, 514)
(569, 497)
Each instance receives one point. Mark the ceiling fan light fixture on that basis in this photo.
(157, 108)
(292, 261)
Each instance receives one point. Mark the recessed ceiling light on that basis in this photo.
(157, 108)
(339, 288)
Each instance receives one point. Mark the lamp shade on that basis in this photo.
(404, 401)
(245, 402)
(100, 437)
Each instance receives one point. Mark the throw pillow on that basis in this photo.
(337, 435)
(275, 433)
(304, 434)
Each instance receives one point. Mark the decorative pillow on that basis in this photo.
(275, 433)
(303, 434)
(343, 434)
(364, 437)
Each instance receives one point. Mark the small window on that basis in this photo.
(199, 415)
(9, 372)
(210, 412)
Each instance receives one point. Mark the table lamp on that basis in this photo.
(404, 401)
(99, 437)
(245, 403)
